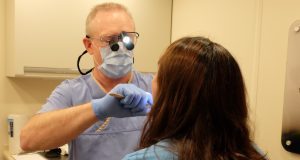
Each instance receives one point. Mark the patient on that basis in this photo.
(200, 110)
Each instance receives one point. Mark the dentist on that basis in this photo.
(81, 111)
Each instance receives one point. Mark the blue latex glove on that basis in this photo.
(135, 102)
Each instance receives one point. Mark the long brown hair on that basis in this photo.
(200, 104)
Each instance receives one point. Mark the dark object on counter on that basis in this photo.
(53, 153)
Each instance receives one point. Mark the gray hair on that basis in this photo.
(106, 7)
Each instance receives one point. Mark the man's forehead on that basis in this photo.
(112, 23)
(112, 15)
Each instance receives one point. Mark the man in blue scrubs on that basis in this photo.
(78, 111)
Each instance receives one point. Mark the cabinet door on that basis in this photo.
(44, 38)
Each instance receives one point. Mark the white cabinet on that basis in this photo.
(44, 38)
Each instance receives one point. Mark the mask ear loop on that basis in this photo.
(78, 64)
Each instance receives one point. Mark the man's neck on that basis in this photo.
(107, 83)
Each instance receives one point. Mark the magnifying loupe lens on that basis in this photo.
(114, 46)
(127, 41)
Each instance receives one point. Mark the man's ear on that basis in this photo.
(88, 45)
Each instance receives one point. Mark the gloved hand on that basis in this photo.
(135, 102)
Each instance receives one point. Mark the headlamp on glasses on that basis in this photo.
(125, 39)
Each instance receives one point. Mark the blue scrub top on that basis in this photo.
(121, 135)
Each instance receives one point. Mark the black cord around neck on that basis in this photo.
(78, 64)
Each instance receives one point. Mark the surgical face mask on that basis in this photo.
(116, 64)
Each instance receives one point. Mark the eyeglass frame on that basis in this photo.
(101, 40)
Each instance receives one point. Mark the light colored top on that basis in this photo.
(161, 151)
(158, 151)
(118, 138)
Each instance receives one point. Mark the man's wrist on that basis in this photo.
(95, 104)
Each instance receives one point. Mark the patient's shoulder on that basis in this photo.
(159, 150)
